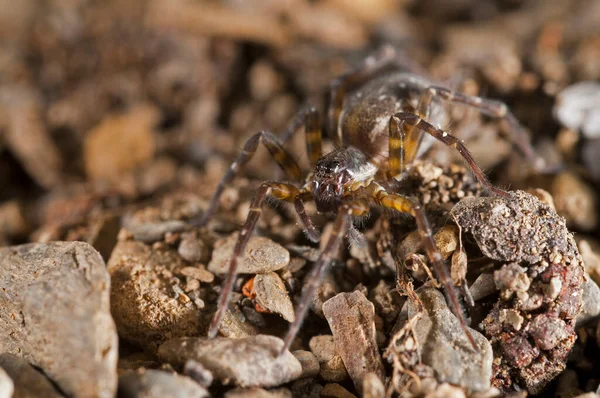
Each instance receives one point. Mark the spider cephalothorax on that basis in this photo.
(378, 113)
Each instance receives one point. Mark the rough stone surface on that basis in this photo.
(55, 314)
(540, 279)
(248, 362)
(591, 302)
(27, 380)
(144, 304)
(158, 384)
(272, 295)
(262, 255)
(446, 349)
(258, 393)
(351, 319)
(331, 364)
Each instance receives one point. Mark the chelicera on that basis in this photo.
(378, 114)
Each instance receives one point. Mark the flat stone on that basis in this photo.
(591, 302)
(351, 318)
(155, 231)
(446, 349)
(272, 295)
(144, 303)
(248, 362)
(56, 315)
(261, 256)
(27, 380)
(151, 383)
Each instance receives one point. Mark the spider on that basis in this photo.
(378, 114)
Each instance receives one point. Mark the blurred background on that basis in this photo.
(105, 105)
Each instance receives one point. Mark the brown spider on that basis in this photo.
(373, 151)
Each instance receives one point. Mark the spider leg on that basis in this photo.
(305, 221)
(405, 205)
(308, 117)
(518, 136)
(313, 280)
(451, 141)
(281, 156)
(383, 59)
(275, 189)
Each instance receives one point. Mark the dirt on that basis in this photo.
(119, 118)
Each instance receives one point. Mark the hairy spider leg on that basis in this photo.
(305, 221)
(313, 280)
(277, 190)
(449, 140)
(518, 136)
(384, 58)
(281, 156)
(405, 205)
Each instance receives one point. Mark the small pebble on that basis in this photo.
(7, 386)
(334, 390)
(262, 255)
(272, 295)
(198, 373)
(246, 362)
(309, 362)
(150, 383)
(28, 381)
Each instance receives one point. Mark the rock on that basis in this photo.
(192, 249)
(332, 367)
(258, 393)
(372, 386)
(6, 385)
(446, 349)
(351, 319)
(334, 390)
(150, 383)
(591, 303)
(272, 295)
(262, 256)
(483, 286)
(56, 315)
(307, 388)
(575, 200)
(446, 391)
(235, 325)
(155, 231)
(145, 302)
(309, 362)
(248, 362)
(578, 108)
(120, 143)
(27, 380)
(198, 373)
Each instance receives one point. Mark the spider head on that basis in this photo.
(331, 175)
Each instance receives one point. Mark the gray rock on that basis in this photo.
(29, 383)
(591, 302)
(258, 393)
(6, 385)
(192, 249)
(483, 286)
(272, 295)
(159, 384)
(153, 232)
(351, 318)
(56, 315)
(248, 362)
(144, 302)
(262, 255)
(446, 349)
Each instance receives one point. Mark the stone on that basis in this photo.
(372, 386)
(247, 362)
(150, 383)
(7, 387)
(262, 255)
(155, 231)
(446, 349)
(258, 393)
(28, 382)
(144, 302)
(272, 295)
(56, 315)
(351, 318)
(334, 390)
(591, 303)
(331, 364)
(309, 362)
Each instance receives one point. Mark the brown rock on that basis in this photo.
(55, 314)
(28, 382)
(351, 319)
(272, 295)
(158, 384)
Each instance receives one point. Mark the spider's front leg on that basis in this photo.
(277, 190)
(313, 280)
(405, 205)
